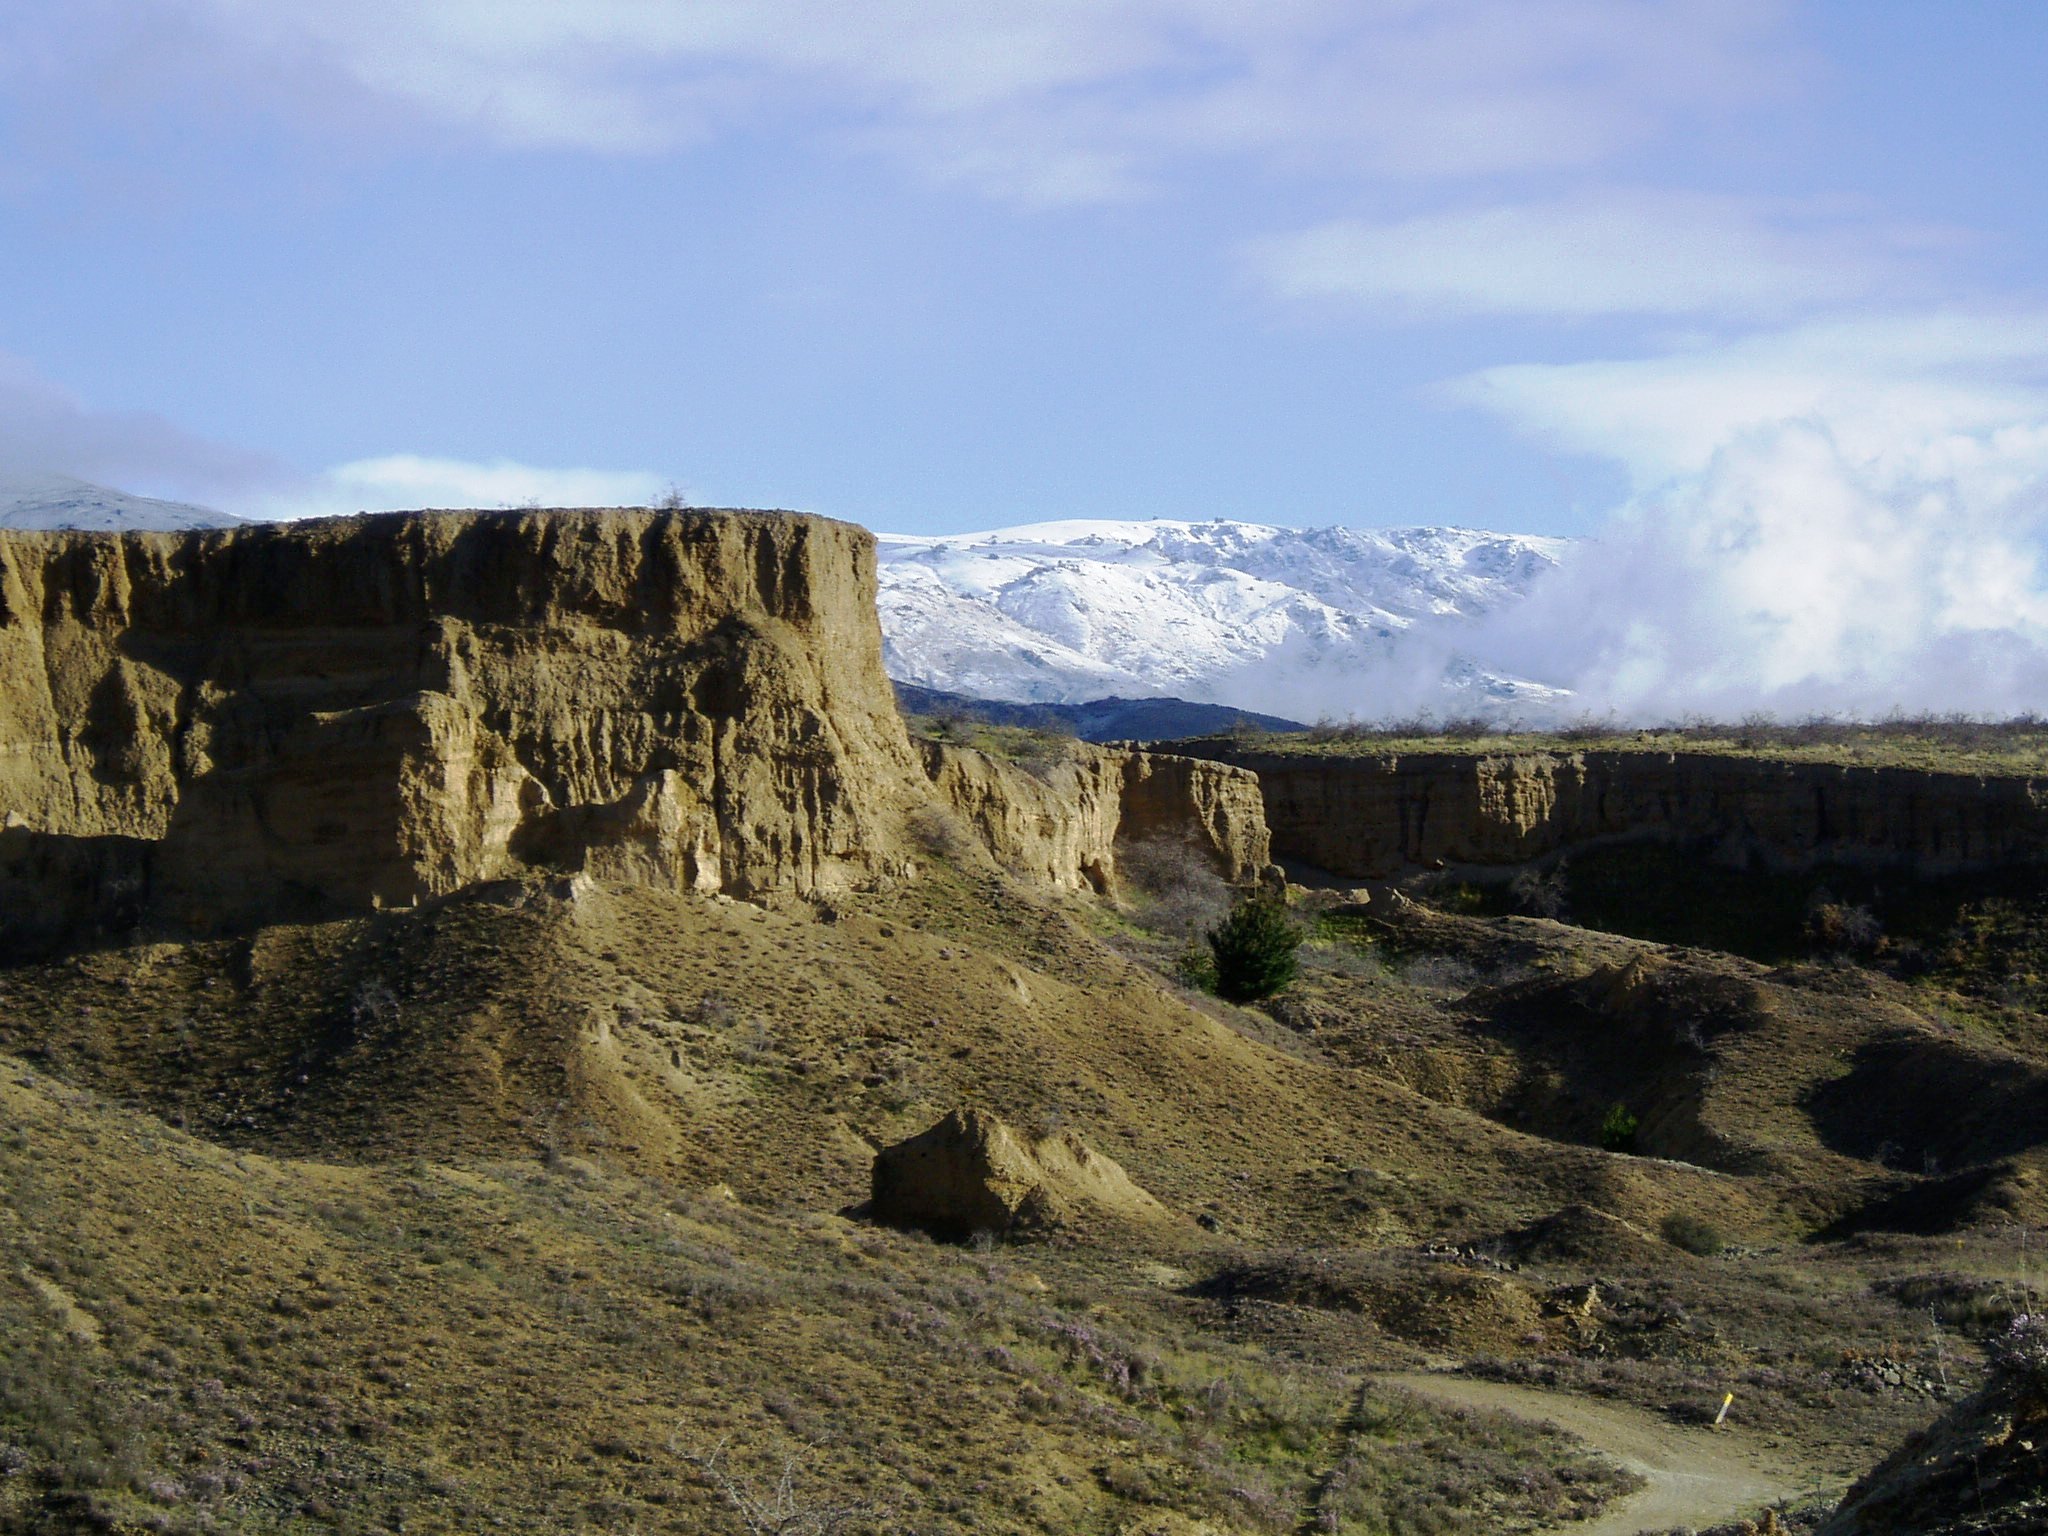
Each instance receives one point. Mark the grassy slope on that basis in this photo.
(502, 1211)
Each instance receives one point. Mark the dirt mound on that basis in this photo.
(1910, 1100)
(1442, 1302)
(1688, 1004)
(971, 1173)
(1585, 1234)
(2011, 1193)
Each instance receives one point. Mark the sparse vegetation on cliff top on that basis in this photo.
(1930, 743)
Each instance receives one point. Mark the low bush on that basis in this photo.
(2021, 1353)
(1695, 1234)
(1178, 892)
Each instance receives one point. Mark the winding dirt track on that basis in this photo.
(1694, 1477)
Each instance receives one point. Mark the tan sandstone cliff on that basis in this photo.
(1380, 815)
(224, 726)
(1064, 828)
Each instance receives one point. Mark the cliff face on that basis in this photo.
(1379, 816)
(1063, 829)
(220, 727)
(367, 712)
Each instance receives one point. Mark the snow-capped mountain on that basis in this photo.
(58, 501)
(1305, 622)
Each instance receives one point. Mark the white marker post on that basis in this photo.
(1724, 1409)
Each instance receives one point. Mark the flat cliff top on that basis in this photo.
(2006, 749)
(345, 522)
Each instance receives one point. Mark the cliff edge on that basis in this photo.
(226, 726)
(1383, 815)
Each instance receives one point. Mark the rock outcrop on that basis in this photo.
(368, 712)
(972, 1173)
(216, 728)
(1061, 826)
(1979, 1470)
(1382, 815)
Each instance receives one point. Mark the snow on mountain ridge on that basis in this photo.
(45, 501)
(1342, 619)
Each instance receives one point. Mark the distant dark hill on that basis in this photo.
(1098, 719)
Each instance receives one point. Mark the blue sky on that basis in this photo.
(1523, 264)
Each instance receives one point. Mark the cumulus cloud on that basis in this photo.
(1044, 99)
(1849, 518)
(1615, 252)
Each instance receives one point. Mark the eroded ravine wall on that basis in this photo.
(1063, 826)
(1383, 815)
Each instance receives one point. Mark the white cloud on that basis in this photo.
(1849, 517)
(1941, 392)
(47, 431)
(1613, 253)
(406, 482)
(1044, 99)
(1792, 578)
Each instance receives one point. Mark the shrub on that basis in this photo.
(1541, 893)
(1618, 1129)
(2022, 1354)
(1837, 927)
(939, 831)
(1254, 949)
(1196, 967)
(1181, 894)
(1695, 1234)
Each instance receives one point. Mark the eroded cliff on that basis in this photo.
(221, 727)
(1063, 827)
(368, 712)
(1381, 815)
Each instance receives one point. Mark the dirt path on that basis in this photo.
(1695, 1477)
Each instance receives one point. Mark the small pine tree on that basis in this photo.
(1618, 1130)
(1254, 949)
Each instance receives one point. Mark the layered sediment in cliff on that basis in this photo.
(1062, 826)
(1382, 815)
(222, 727)
(368, 712)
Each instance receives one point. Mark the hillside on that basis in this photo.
(504, 1028)
(1092, 719)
